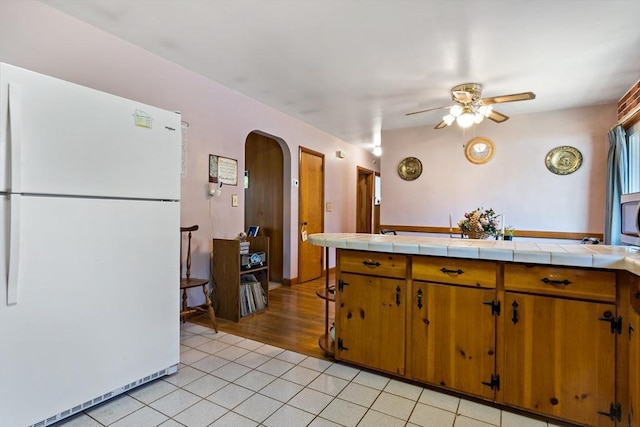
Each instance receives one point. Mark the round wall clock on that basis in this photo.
(410, 168)
(479, 150)
(563, 160)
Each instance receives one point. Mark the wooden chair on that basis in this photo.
(188, 282)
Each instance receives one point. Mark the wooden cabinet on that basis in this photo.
(453, 325)
(370, 320)
(551, 340)
(453, 337)
(227, 272)
(634, 353)
(559, 351)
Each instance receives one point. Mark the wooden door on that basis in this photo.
(376, 203)
(559, 358)
(364, 204)
(264, 198)
(310, 213)
(453, 338)
(371, 323)
(634, 366)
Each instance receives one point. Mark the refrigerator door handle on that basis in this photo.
(15, 144)
(14, 250)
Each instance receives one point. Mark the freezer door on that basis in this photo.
(97, 302)
(63, 138)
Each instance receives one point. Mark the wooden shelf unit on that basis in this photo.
(227, 271)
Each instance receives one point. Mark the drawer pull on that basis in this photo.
(371, 263)
(556, 282)
(514, 312)
(446, 271)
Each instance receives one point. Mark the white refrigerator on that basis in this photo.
(89, 246)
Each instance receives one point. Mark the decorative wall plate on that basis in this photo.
(479, 150)
(410, 168)
(563, 160)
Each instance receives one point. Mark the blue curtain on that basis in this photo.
(616, 184)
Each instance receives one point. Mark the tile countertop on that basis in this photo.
(575, 255)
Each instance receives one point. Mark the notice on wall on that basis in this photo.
(223, 169)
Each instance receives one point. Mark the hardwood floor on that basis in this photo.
(293, 321)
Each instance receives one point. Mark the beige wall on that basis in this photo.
(515, 182)
(38, 37)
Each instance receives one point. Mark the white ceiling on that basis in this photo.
(353, 67)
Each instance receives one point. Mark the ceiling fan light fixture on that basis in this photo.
(478, 118)
(448, 119)
(485, 110)
(377, 150)
(466, 119)
(456, 110)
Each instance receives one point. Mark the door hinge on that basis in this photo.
(616, 322)
(495, 307)
(494, 383)
(615, 412)
(341, 285)
(341, 346)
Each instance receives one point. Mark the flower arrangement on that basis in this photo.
(479, 223)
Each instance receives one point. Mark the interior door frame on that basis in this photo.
(368, 196)
(301, 208)
(265, 197)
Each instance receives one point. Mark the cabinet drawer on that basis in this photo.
(559, 281)
(373, 263)
(456, 271)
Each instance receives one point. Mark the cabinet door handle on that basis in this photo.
(556, 282)
(446, 271)
(514, 312)
(419, 298)
(398, 290)
(371, 263)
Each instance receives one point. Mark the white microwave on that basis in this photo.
(630, 211)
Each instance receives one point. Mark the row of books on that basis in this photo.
(252, 296)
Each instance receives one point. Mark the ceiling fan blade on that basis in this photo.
(424, 111)
(441, 125)
(498, 117)
(524, 96)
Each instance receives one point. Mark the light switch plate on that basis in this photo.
(234, 200)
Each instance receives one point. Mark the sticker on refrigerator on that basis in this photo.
(142, 119)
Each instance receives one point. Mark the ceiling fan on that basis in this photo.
(469, 108)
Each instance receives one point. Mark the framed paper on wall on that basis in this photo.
(223, 169)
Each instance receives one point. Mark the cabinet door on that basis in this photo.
(634, 367)
(559, 357)
(453, 337)
(371, 322)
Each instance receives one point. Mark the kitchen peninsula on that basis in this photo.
(545, 328)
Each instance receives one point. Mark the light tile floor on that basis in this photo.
(226, 380)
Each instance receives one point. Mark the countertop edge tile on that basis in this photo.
(602, 256)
